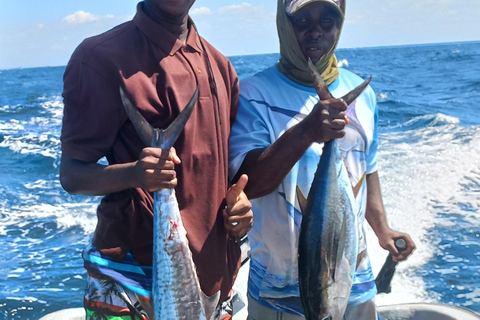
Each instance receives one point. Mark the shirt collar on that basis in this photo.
(163, 38)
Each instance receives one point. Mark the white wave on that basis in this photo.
(66, 214)
(382, 96)
(33, 144)
(471, 297)
(5, 108)
(38, 134)
(435, 119)
(343, 63)
(11, 125)
(38, 184)
(442, 118)
(415, 178)
(54, 105)
(49, 290)
(26, 299)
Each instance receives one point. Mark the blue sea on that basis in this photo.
(429, 157)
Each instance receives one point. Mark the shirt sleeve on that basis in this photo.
(91, 118)
(249, 132)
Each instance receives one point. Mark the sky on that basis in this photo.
(36, 33)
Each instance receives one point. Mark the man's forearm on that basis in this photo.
(93, 179)
(266, 168)
(375, 211)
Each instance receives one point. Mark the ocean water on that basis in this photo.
(429, 157)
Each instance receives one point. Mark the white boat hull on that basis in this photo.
(408, 311)
(425, 311)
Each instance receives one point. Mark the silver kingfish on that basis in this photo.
(176, 289)
(327, 250)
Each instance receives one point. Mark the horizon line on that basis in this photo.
(269, 53)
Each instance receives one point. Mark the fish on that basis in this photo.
(177, 294)
(328, 241)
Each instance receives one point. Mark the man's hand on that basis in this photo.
(387, 242)
(327, 120)
(238, 216)
(155, 169)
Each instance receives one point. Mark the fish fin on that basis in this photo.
(352, 95)
(302, 201)
(322, 88)
(171, 134)
(210, 304)
(320, 85)
(147, 133)
(332, 260)
(340, 249)
(143, 128)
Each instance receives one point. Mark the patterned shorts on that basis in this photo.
(123, 291)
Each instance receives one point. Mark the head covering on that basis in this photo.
(293, 6)
(293, 63)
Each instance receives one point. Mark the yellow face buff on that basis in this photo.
(293, 63)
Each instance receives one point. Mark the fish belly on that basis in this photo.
(328, 240)
(176, 289)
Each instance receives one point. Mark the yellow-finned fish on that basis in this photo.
(327, 250)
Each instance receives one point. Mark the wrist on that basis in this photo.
(130, 176)
(306, 129)
(382, 231)
(135, 177)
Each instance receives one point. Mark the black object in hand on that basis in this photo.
(385, 275)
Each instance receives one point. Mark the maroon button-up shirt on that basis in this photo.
(160, 74)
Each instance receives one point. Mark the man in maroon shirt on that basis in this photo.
(158, 58)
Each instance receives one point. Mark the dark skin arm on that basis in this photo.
(268, 167)
(376, 217)
(154, 170)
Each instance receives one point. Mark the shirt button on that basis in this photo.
(188, 49)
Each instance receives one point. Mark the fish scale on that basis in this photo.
(172, 251)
